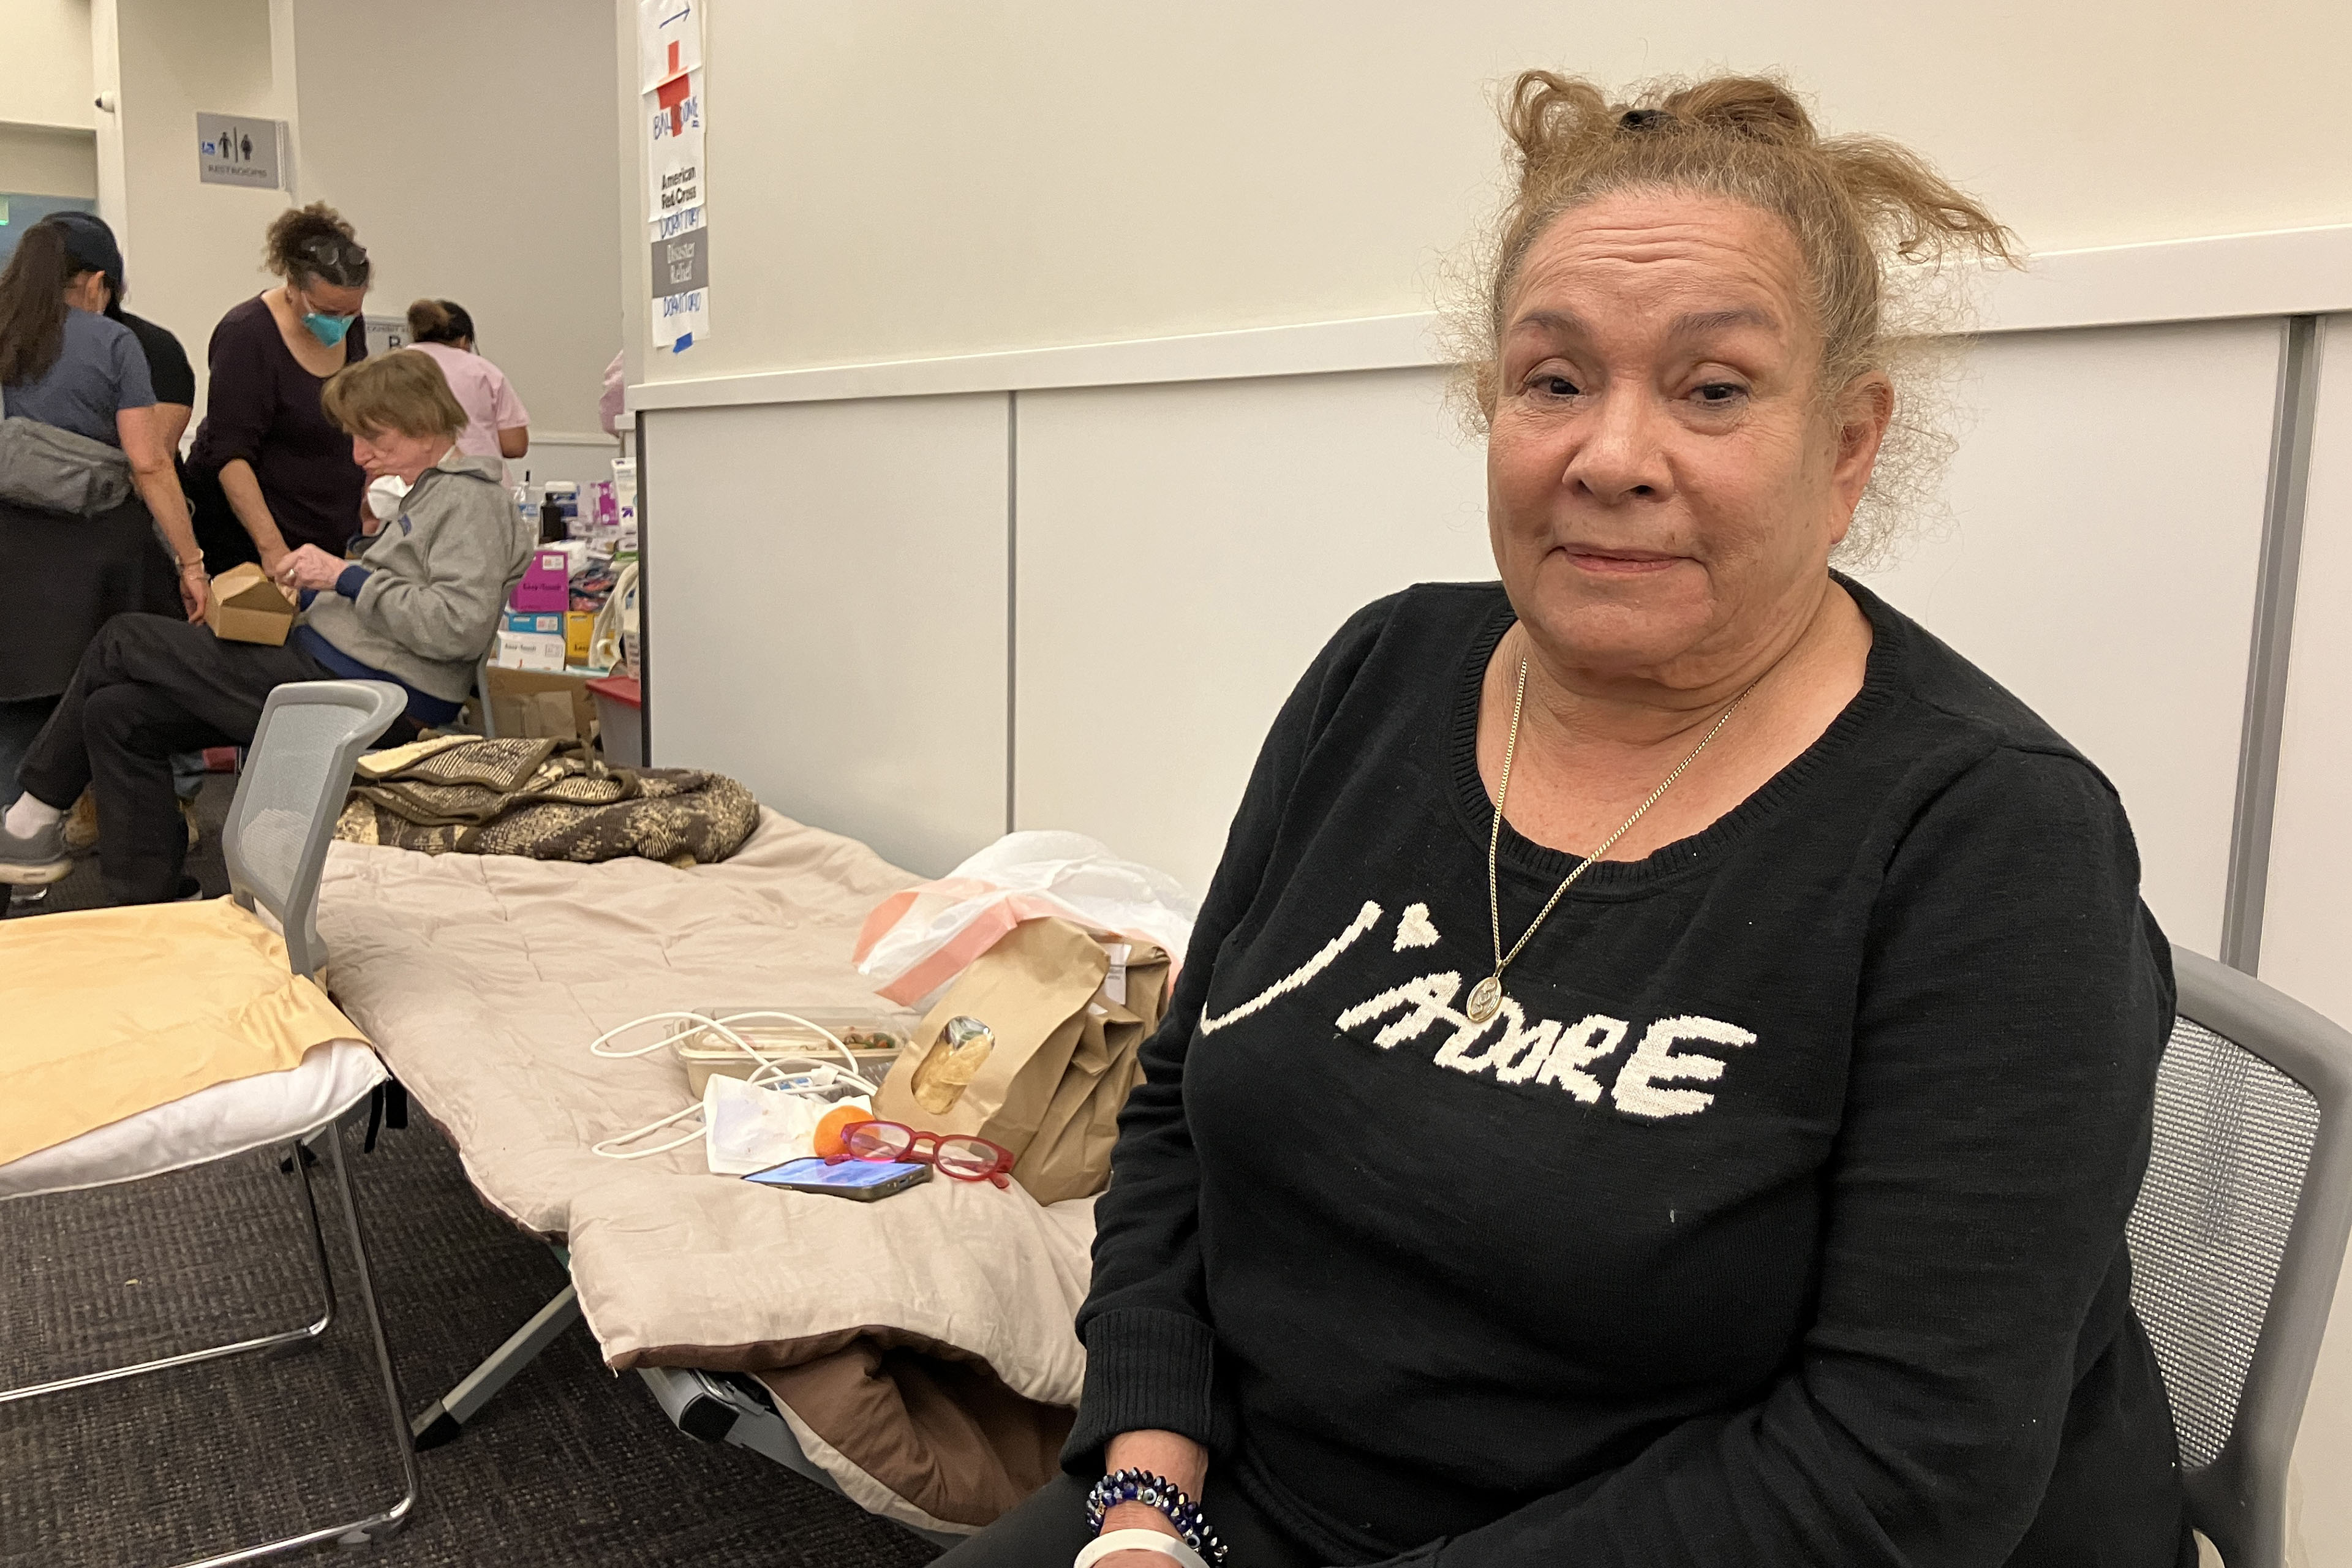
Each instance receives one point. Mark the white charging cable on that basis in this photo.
(768, 1069)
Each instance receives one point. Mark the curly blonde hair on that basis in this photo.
(1873, 223)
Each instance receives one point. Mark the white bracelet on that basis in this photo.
(1167, 1546)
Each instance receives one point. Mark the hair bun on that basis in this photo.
(315, 241)
(1753, 108)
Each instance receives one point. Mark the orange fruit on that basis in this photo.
(827, 1137)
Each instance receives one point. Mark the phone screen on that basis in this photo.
(812, 1172)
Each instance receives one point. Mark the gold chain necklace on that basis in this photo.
(1487, 996)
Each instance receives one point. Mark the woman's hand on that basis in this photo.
(308, 567)
(193, 584)
(1165, 1454)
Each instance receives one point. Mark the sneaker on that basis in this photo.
(35, 861)
(81, 824)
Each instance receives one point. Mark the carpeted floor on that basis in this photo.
(569, 1465)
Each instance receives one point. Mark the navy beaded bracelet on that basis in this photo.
(1156, 1492)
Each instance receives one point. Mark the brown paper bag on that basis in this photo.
(1062, 1061)
(1069, 1154)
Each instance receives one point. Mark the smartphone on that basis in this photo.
(864, 1180)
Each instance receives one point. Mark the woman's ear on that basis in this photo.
(1864, 408)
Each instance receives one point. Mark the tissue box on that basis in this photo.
(546, 583)
(530, 640)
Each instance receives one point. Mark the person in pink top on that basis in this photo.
(496, 424)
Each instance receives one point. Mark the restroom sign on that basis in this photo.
(239, 150)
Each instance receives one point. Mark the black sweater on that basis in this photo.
(1778, 1219)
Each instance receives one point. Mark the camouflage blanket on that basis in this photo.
(548, 800)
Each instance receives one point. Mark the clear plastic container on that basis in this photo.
(873, 1034)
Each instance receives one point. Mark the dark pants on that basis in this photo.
(1050, 1529)
(147, 687)
(20, 723)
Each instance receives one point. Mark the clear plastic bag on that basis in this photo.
(915, 942)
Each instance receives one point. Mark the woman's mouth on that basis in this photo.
(1619, 563)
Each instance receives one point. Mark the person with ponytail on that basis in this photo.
(269, 471)
(1666, 1060)
(496, 424)
(63, 362)
(92, 240)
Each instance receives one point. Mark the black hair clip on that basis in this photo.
(1642, 120)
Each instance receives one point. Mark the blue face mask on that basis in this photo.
(328, 329)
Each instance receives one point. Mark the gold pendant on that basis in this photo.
(1486, 999)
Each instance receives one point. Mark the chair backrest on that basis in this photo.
(296, 775)
(2238, 1237)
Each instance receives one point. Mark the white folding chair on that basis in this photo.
(279, 826)
(2238, 1239)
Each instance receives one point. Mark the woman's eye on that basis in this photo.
(1720, 394)
(1553, 386)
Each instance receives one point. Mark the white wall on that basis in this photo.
(927, 178)
(475, 148)
(49, 161)
(190, 250)
(834, 633)
(47, 80)
(1184, 551)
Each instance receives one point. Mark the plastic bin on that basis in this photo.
(620, 718)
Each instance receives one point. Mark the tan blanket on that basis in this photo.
(108, 1013)
(921, 1346)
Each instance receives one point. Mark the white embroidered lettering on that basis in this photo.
(1584, 1042)
(1415, 929)
(1654, 1061)
(1514, 1054)
(1366, 919)
(1427, 1000)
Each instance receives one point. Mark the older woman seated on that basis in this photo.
(419, 607)
(1667, 1056)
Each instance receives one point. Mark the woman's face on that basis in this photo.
(1663, 483)
(382, 452)
(315, 296)
(88, 291)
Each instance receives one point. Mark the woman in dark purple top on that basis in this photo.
(269, 473)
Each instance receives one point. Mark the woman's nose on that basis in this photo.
(1621, 456)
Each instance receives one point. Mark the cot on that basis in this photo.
(917, 1354)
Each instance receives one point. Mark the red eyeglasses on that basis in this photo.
(956, 1155)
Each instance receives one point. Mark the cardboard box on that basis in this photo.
(577, 626)
(546, 583)
(529, 623)
(243, 606)
(533, 704)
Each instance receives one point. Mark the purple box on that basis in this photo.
(545, 586)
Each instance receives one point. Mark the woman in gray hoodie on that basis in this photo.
(419, 608)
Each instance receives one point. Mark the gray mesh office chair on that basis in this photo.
(2238, 1237)
(296, 776)
(286, 802)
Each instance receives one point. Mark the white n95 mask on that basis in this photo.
(384, 496)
